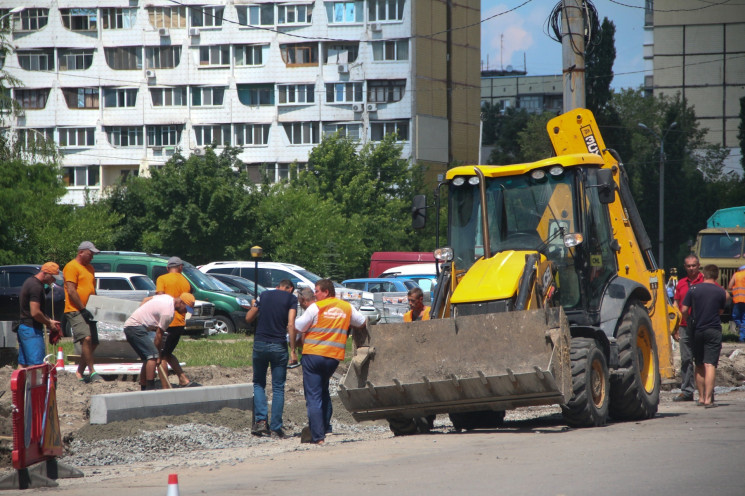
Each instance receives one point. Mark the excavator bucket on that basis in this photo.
(497, 361)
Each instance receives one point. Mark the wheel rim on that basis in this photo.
(221, 327)
(597, 384)
(645, 362)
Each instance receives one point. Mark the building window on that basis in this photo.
(391, 50)
(532, 103)
(167, 17)
(343, 92)
(32, 99)
(118, 18)
(124, 136)
(379, 129)
(214, 55)
(119, 97)
(81, 98)
(275, 172)
(80, 19)
(166, 57)
(32, 138)
(351, 131)
(294, 14)
(77, 136)
(216, 134)
(36, 60)
(301, 133)
(207, 96)
(169, 97)
(300, 54)
(163, 135)
(385, 10)
(256, 94)
(341, 54)
(296, 93)
(344, 12)
(81, 176)
(251, 134)
(124, 58)
(74, 60)
(249, 55)
(30, 19)
(386, 90)
(258, 15)
(207, 17)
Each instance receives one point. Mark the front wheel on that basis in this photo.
(223, 325)
(408, 426)
(635, 391)
(588, 406)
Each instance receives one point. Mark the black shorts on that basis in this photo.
(707, 346)
(173, 334)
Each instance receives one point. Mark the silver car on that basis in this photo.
(125, 285)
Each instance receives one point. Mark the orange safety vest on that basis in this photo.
(422, 316)
(328, 336)
(738, 290)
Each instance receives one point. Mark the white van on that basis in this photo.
(424, 274)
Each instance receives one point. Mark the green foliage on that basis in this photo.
(534, 141)
(501, 129)
(599, 68)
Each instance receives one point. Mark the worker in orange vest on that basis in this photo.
(325, 326)
(737, 289)
(417, 310)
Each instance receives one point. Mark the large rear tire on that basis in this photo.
(409, 426)
(635, 391)
(486, 419)
(588, 406)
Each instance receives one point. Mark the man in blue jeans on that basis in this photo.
(276, 309)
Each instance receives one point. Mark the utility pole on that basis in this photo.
(573, 53)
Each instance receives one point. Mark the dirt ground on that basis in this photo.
(73, 399)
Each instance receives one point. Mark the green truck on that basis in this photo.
(722, 242)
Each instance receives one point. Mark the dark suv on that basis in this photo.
(12, 278)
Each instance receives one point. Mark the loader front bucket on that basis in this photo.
(497, 361)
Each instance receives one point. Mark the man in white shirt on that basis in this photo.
(155, 314)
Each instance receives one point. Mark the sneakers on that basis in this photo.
(260, 428)
(683, 397)
(279, 434)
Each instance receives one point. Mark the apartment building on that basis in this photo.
(697, 49)
(512, 88)
(120, 85)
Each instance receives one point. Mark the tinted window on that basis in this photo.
(356, 285)
(221, 270)
(410, 285)
(101, 267)
(18, 278)
(199, 279)
(115, 284)
(158, 271)
(143, 282)
(136, 268)
(388, 287)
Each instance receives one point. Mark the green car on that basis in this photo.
(230, 308)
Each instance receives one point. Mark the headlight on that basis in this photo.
(573, 239)
(458, 181)
(538, 174)
(243, 302)
(556, 170)
(473, 180)
(444, 254)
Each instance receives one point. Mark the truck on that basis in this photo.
(721, 242)
(549, 294)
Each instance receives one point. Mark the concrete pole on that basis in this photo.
(573, 53)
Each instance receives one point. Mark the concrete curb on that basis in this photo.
(107, 408)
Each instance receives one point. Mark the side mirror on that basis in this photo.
(419, 211)
(606, 186)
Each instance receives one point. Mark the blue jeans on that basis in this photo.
(738, 315)
(31, 347)
(317, 370)
(264, 356)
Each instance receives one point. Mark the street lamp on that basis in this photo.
(256, 253)
(662, 183)
(12, 11)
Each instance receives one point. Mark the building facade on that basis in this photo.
(120, 86)
(536, 94)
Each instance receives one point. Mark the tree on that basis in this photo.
(599, 68)
(504, 128)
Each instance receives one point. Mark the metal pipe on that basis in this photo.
(484, 220)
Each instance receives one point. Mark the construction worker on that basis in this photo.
(417, 310)
(31, 346)
(737, 288)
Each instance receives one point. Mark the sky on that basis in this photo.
(526, 44)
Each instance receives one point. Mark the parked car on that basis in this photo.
(270, 273)
(12, 278)
(125, 285)
(381, 285)
(229, 308)
(238, 284)
(422, 274)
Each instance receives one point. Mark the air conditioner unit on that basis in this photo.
(372, 107)
(342, 68)
(149, 73)
(358, 107)
(376, 27)
(193, 31)
(163, 31)
(199, 152)
(157, 148)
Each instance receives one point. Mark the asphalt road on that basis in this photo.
(684, 450)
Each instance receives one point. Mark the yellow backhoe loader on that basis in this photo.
(550, 294)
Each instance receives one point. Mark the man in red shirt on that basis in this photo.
(685, 335)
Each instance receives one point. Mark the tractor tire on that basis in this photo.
(588, 406)
(635, 391)
(409, 426)
(485, 419)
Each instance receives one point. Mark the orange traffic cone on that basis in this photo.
(60, 359)
(172, 485)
